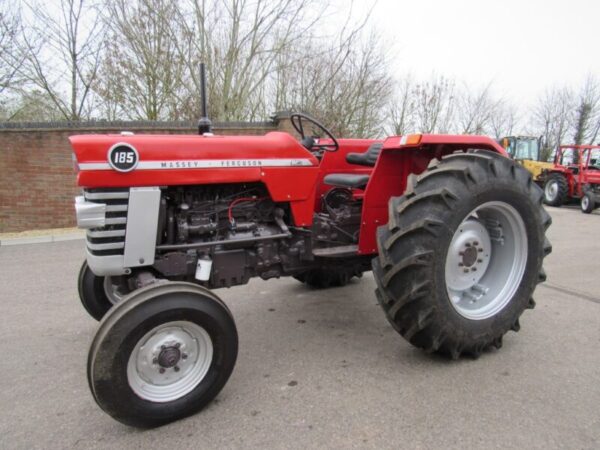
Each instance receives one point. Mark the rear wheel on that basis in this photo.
(98, 294)
(587, 204)
(462, 254)
(161, 354)
(556, 190)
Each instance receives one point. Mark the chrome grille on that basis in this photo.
(109, 239)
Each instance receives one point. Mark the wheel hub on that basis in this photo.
(169, 357)
(469, 256)
(169, 361)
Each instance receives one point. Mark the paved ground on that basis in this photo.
(318, 369)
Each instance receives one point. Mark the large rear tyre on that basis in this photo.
(98, 294)
(161, 354)
(462, 253)
(556, 190)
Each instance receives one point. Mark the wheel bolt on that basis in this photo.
(176, 369)
(480, 260)
(162, 347)
(474, 269)
(480, 250)
(467, 244)
(475, 243)
(460, 264)
(177, 345)
(155, 361)
(184, 356)
(161, 370)
(466, 270)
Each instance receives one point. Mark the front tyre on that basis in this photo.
(161, 354)
(587, 204)
(98, 294)
(462, 253)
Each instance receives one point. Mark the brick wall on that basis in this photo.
(37, 182)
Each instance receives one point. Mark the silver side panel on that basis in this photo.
(142, 225)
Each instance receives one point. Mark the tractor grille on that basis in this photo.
(109, 239)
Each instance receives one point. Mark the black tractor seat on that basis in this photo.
(355, 181)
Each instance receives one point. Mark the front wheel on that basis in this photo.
(162, 353)
(587, 204)
(99, 294)
(462, 254)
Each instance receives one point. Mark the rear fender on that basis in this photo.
(395, 163)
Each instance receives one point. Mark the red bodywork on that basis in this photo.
(243, 159)
(581, 174)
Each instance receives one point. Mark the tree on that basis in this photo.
(504, 120)
(434, 102)
(11, 57)
(552, 118)
(587, 114)
(62, 54)
(476, 109)
(141, 75)
(347, 85)
(402, 107)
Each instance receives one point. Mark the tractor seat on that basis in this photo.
(347, 180)
(354, 181)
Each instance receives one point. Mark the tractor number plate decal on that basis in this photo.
(197, 163)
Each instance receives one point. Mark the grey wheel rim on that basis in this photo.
(486, 260)
(111, 289)
(551, 190)
(170, 361)
(585, 202)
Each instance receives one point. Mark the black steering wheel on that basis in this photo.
(310, 142)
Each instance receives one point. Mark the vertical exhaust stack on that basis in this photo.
(204, 124)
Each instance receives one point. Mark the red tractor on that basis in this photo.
(453, 230)
(575, 175)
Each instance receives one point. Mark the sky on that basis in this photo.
(521, 46)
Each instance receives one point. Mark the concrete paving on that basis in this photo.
(318, 369)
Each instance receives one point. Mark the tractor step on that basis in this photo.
(336, 252)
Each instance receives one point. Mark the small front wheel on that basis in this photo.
(587, 204)
(162, 353)
(98, 294)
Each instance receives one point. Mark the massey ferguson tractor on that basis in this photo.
(453, 230)
(575, 175)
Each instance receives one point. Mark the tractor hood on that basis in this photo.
(148, 160)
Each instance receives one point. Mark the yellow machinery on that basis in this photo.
(526, 150)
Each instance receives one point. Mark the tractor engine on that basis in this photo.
(225, 234)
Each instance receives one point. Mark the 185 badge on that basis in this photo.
(123, 157)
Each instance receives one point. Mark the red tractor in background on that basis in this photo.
(575, 175)
(453, 230)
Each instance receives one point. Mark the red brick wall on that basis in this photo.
(37, 182)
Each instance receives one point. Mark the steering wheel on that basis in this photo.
(309, 141)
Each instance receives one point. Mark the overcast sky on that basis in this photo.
(522, 46)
